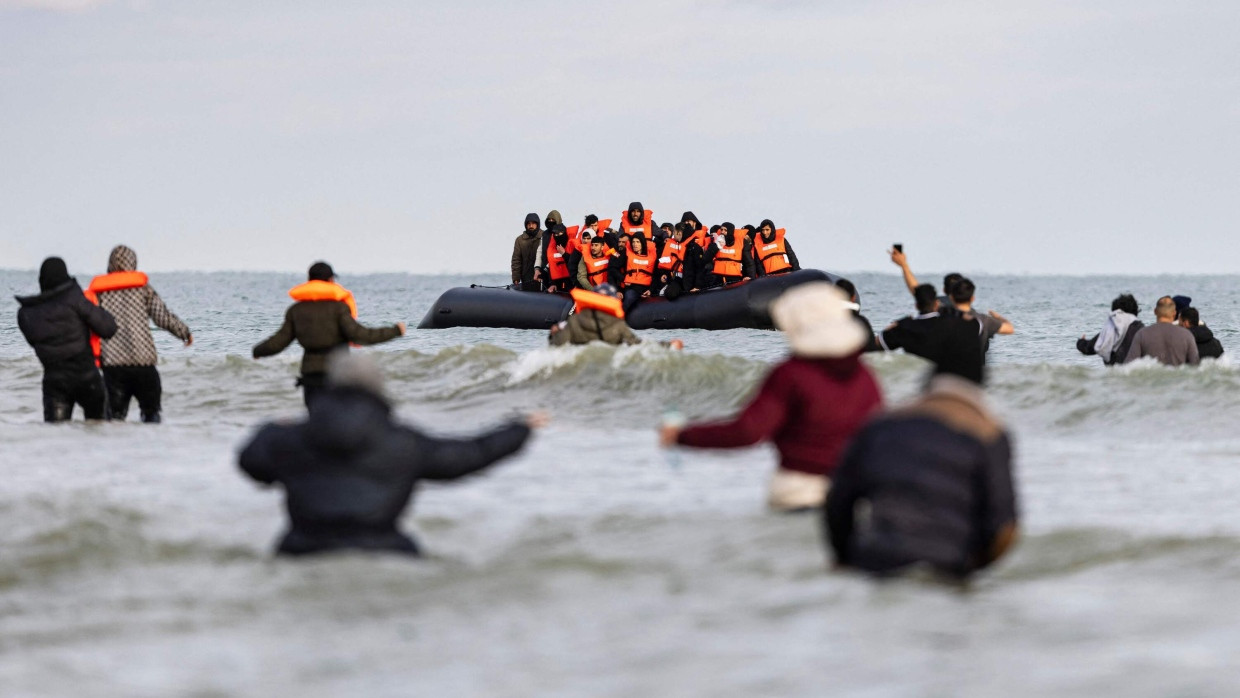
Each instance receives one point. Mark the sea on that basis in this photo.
(136, 560)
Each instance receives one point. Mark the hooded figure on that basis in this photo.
(730, 262)
(350, 470)
(129, 356)
(59, 323)
(772, 252)
(810, 405)
(525, 255)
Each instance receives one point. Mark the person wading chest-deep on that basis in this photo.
(322, 320)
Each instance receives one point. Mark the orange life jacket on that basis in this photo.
(639, 269)
(728, 259)
(596, 267)
(774, 254)
(557, 262)
(316, 290)
(673, 252)
(115, 281)
(589, 300)
(645, 228)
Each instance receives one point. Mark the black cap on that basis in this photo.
(321, 271)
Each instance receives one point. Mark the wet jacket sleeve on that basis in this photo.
(277, 342)
(360, 334)
(1087, 346)
(846, 488)
(448, 459)
(164, 318)
(998, 494)
(257, 459)
(97, 319)
(792, 256)
(759, 421)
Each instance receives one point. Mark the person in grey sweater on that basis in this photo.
(1164, 340)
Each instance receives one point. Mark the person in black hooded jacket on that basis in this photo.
(58, 323)
(349, 470)
(525, 255)
(713, 262)
(766, 244)
(1208, 346)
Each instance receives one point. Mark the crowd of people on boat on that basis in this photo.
(643, 258)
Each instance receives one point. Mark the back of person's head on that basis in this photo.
(52, 273)
(1165, 308)
(606, 289)
(714, 229)
(347, 369)
(926, 298)
(321, 271)
(1181, 302)
(1190, 316)
(949, 281)
(690, 217)
(963, 290)
(1125, 302)
(847, 287)
(122, 258)
(591, 219)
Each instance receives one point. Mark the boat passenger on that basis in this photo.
(61, 324)
(558, 277)
(525, 255)
(540, 268)
(1166, 341)
(729, 259)
(637, 220)
(595, 265)
(129, 357)
(322, 320)
(639, 264)
(670, 264)
(772, 253)
(698, 232)
(350, 469)
(1208, 346)
(1114, 341)
(810, 405)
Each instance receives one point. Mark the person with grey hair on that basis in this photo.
(350, 469)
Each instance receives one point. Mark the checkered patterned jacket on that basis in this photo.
(132, 344)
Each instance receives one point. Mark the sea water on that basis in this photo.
(135, 560)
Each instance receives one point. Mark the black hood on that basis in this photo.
(729, 233)
(53, 273)
(688, 217)
(560, 234)
(68, 286)
(347, 420)
(1201, 333)
(636, 206)
(532, 218)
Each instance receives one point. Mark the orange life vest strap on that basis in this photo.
(316, 290)
(589, 300)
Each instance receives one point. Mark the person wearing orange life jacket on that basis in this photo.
(540, 270)
(596, 266)
(639, 268)
(772, 253)
(637, 221)
(598, 317)
(558, 278)
(729, 259)
(321, 321)
(128, 358)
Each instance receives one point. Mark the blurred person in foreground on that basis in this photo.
(926, 485)
(810, 405)
(349, 470)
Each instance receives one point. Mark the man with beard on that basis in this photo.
(525, 255)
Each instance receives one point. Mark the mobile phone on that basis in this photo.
(898, 247)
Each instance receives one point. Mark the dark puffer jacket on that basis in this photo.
(1208, 346)
(349, 470)
(320, 327)
(58, 324)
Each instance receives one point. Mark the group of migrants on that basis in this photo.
(642, 258)
(1176, 338)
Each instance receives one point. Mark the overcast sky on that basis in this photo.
(1038, 137)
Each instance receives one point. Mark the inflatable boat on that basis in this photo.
(743, 305)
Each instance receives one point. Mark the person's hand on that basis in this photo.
(677, 345)
(538, 274)
(538, 419)
(551, 289)
(898, 258)
(189, 340)
(646, 294)
(668, 436)
(555, 328)
(745, 278)
(400, 326)
(996, 316)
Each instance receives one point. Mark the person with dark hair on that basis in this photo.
(927, 485)
(1208, 346)
(323, 320)
(1113, 342)
(729, 258)
(639, 264)
(637, 220)
(350, 469)
(1181, 303)
(950, 341)
(946, 304)
(544, 241)
(129, 357)
(63, 327)
(1165, 341)
(990, 324)
(772, 253)
(556, 255)
(594, 268)
(525, 255)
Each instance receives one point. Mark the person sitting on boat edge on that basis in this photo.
(729, 258)
(1115, 339)
(1208, 346)
(810, 405)
(322, 320)
(772, 252)
(598, 317)
(350, 469)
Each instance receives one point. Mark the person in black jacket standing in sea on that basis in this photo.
(350, 469)
(58, 323)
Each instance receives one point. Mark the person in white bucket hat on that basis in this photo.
(810, 405)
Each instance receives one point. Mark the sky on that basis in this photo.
(1022, 137)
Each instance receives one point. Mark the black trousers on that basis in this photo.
(311, 385)
(127, 382)
(633, 296)
(64, 389)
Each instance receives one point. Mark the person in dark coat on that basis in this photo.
(730, 238)
(350, 470)
(928, 484)
(1115, 340)
(1208, 346)
(525, 255)
(58, 323)
(321, 327)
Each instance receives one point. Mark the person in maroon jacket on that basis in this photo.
(810, 405)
